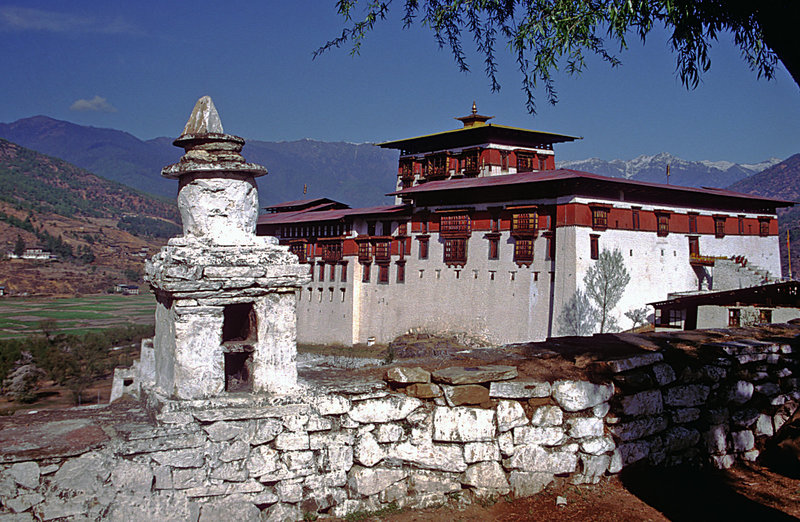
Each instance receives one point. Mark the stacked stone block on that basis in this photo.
(718, 405)
(262, 457)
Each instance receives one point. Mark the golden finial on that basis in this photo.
(474, 108)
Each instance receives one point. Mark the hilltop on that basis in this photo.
(100, 230)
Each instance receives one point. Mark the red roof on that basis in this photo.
(568, 174)
(309, 215)
(305, 204)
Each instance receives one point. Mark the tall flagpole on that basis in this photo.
(789, 252)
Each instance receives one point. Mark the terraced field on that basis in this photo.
(20, 317)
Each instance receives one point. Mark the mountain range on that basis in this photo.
(682, 172)
(357, 174)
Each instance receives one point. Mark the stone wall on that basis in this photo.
(419, 444)
(716, 403)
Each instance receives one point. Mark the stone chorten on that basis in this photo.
(225, 313)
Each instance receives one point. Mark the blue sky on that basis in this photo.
(140, 66)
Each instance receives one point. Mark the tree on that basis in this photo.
(543, 35)
(578, 317)
(605, 283)
(22, 383)
(19, 246)
(638, 316)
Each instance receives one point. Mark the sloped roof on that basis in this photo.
(581, 182)
(786, 293)
(468, 136)
(308, 216)
(305, 204)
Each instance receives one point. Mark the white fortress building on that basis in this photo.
(487, 237)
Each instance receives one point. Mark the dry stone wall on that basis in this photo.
(717, 405)
(363, 448)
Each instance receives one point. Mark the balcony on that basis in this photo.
(382, 251)
(698, 260)
(525, 224)
(332, 252)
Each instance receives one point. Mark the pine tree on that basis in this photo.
(19, 246)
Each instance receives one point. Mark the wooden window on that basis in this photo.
(382, 252)
(457, 223)
(594, 246)
(321, 272)
(694, 246)
(401, 272)
(549, 251)
(734, 317)
(311, 271)
(407, 169)
(635, 218)
(343, 273)
(525, 223)
(471, 162)
(371, 228)
(407, 182)
(740, 222)
(525, 161)
(504, 160)
(763, 227)
(332, 252)
(423, 248)
(364, 252)
(495, 224)
(436, 165)
(599, 218)
(423, 224)
(455, 251)
(693, 223)
(402, 229)
(494, 248)
(383, 273)
(298, 249)
(663, 224)
(333, 272)
(542, 162)
(365, 273)
(765, 316)
(523, 251)
(719, 226)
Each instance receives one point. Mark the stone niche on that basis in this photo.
(225, 313)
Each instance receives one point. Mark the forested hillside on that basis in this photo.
(99, 231)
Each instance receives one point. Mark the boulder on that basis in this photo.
(519, 389)
(463, 424)
(474, 375)
(580, 395)
(404, 375)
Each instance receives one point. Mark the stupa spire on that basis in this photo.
(204, 118)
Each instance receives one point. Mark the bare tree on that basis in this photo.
(578, 317)
(605, 283)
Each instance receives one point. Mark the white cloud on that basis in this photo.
(27, 19)
(96, 104)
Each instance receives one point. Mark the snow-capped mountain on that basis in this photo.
(682, 172)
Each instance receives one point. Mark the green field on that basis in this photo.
(20, 317)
